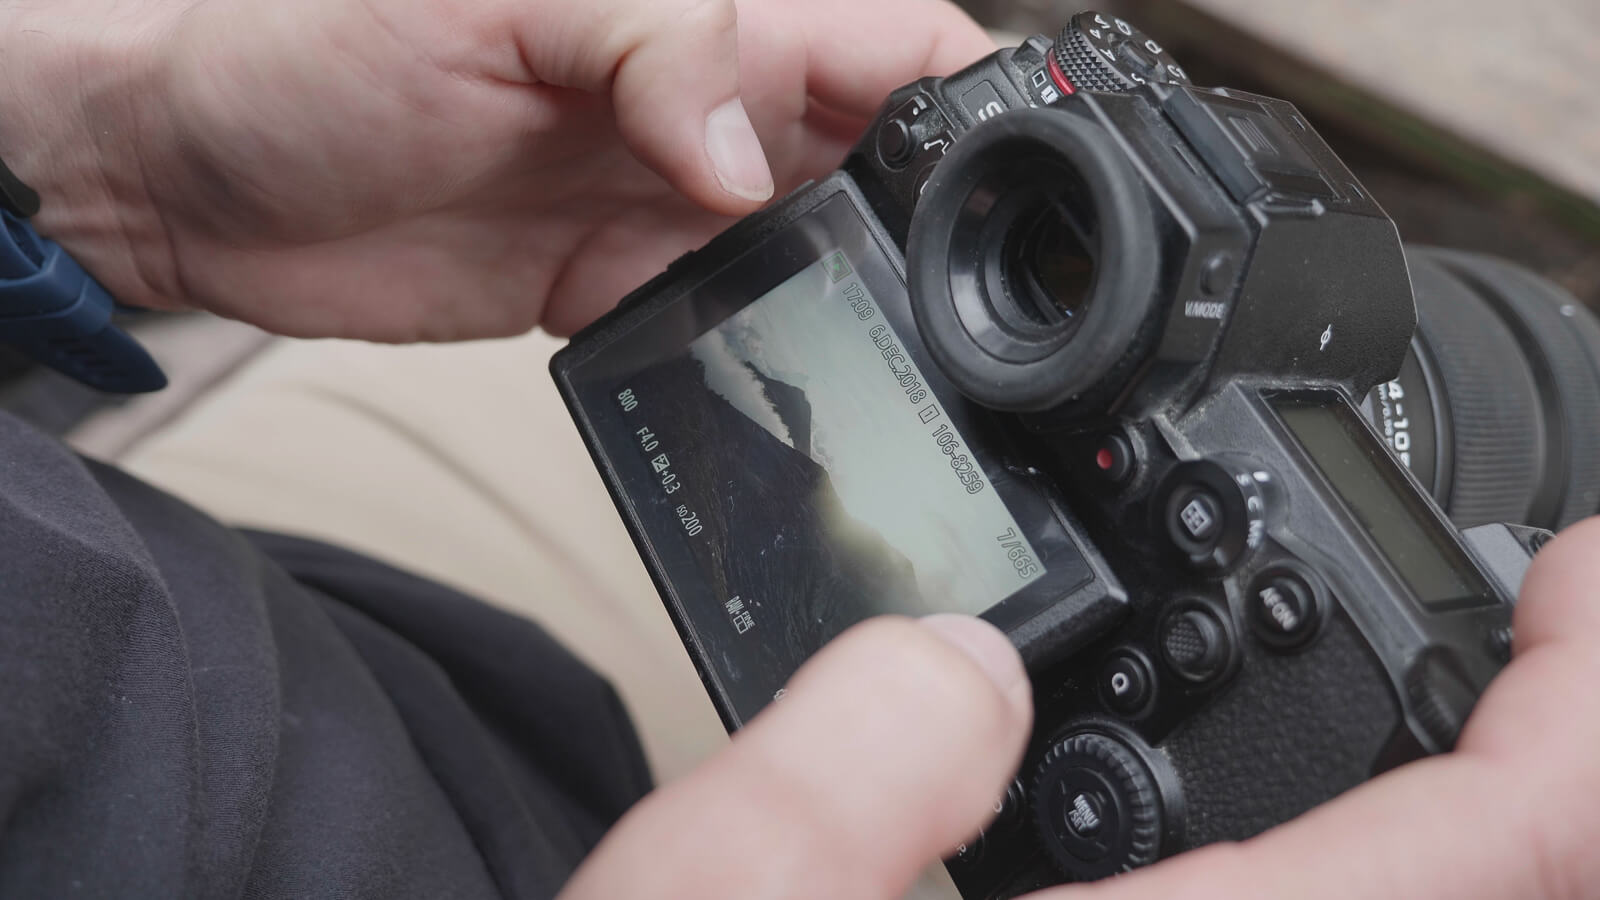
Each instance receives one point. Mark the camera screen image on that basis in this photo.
(793, 462)
(817, 480)
(816, 366)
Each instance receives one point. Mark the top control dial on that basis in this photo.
(1097, 52)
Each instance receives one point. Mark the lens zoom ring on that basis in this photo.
(1574, 369)
(1496, 423)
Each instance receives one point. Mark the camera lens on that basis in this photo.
(1030, 260)
(1497, 407)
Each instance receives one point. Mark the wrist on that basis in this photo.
(79, 109)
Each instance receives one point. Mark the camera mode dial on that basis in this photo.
(1097, 806)
(1103, 53)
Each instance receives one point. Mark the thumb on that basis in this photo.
(673, 67)
(678, 107)
(888, 749)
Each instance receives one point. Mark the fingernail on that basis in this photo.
(736, 154)
(984, 644)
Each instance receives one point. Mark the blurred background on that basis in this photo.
(1476, 125)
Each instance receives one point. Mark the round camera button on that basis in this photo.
(1097, 806)
(1194, 518)
(1195, 643)
(1214, 516)
(1283, 608)
(895, 146)
(1114, 458)
(1086, 814)
(1126, 683)
(1216, 276)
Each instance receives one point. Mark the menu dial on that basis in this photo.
(1097, 806)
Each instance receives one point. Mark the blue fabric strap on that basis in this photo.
(55, 313)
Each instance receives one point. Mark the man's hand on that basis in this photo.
(433, 169)
(1512, 813)
(891, 744)
(888, 749)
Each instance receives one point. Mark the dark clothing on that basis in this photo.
(192, 711)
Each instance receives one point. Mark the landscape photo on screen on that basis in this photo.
(826, 482)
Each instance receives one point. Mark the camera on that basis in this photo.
(1131, 368)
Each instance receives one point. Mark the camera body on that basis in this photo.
(1072, 344)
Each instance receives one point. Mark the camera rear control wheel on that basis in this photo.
(1097, 806)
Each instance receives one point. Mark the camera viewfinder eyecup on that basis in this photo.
(1030, 259)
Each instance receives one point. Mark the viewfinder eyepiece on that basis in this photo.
(1029, 260)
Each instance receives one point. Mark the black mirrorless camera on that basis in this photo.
(1097, 354)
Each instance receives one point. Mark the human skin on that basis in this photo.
(403, 170)
(886, 746)
(450, 169)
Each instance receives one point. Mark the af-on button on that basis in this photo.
(1282, 604)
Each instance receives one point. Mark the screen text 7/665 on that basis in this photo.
(1018, 552)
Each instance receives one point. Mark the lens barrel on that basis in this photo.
(1497, 407)
(1029, 260)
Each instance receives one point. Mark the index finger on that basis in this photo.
(857, 51)
(1510, 813)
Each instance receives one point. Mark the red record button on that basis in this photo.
(1113, 457)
